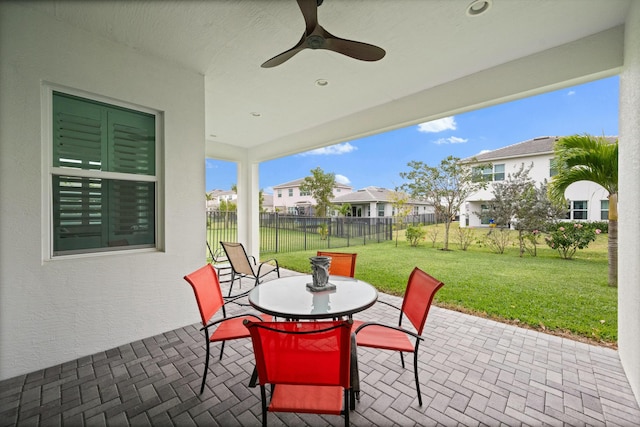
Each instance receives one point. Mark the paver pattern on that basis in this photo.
(473, 372)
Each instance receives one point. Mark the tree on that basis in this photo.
(320, 185)
(234, 188)
(401, 210)
(344, 210)
(595, 159)
(446, 187)
(523, 205)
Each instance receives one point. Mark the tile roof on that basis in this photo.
(539, 145)
(369, 194)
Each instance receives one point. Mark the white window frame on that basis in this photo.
(46, 109)
(574, 210)
(603, 210)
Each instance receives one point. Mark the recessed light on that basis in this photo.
(478, 7)
(322, 82)
(255, 114)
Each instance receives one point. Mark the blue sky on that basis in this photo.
(378, 160)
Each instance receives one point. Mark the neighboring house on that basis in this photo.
(267, 202)
(289, 199)
(587, 201)
(376, 201)
(217, 196)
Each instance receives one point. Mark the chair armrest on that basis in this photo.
(224, 319)
(397, 328)
(234, 298)
(389, 304)
(252, 258)
(266, 262)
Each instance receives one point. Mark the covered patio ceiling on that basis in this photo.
(439, 60)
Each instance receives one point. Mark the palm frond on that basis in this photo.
(585, 158)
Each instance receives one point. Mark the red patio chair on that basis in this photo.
(206, 287)
(307, 365)
(342, 264)
(418, 297)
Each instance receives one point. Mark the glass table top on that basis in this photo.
(288, 297)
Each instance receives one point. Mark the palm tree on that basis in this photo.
(595, 159)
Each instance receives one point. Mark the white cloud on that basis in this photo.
(445, 123)
(483, 151)
(450, 140)
(331, 150)
(571, 92)
(341, 179)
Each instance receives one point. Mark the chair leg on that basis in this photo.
(233, 280)
(206, 365)
(263, 398)
(415, 373)
(402, 359)
(221, 350)
(347, 400)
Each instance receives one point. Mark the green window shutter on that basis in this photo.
(93, 213)
(132, 212)
(131, 143)
(78, 134)
(77, 213)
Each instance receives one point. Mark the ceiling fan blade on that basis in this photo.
(309, 9)
(284, 56)
(354, 49)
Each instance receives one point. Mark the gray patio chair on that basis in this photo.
(220, 263)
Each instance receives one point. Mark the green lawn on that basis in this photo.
(568, 297)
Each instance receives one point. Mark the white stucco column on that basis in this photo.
(248, 207)
(629, 204)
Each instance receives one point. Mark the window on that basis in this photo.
(304, 193)
(553, 167)
(279, 193)
(103, 177)
(604, 210)
(291, 192)
(488, 173)
(579, 209)
(380, 209)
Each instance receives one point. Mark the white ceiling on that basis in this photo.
(433, 51)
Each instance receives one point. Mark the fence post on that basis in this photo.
(276, 222)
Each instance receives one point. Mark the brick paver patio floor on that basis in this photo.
(473, 371)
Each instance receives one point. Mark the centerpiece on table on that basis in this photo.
(320, 274)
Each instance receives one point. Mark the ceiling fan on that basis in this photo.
(316, 37)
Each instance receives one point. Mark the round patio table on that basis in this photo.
(289, 298)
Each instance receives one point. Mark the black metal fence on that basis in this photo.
(288, 233)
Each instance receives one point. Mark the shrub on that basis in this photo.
(465, 237)
(603, 226)
(567, 240)
(498, 239)
(433, 235)
(323, 231)
(530, 240)
(414, 234)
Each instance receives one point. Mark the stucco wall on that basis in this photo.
(52, 311)
(629, 204)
